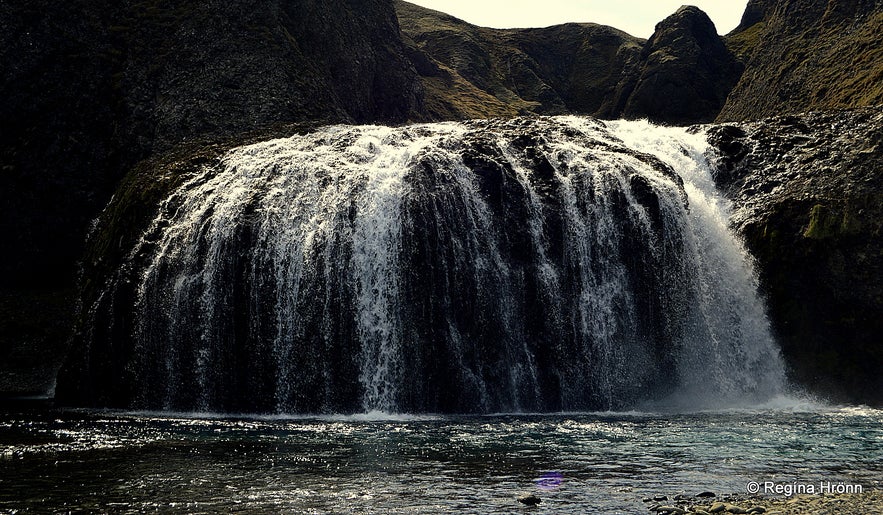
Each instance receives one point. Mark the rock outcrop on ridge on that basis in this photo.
(682, 74)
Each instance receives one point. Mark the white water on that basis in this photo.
(729, 332)
(298, 260)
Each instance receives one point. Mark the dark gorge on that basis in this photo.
(361, 256)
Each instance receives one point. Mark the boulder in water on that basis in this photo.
(530, 499)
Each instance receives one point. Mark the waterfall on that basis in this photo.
(543, 264)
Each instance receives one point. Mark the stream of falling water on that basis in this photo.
(547, 264)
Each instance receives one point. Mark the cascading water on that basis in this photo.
(541, 264)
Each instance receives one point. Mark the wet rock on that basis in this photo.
(705, 495)
(809, 203)
(530, 499)
(660, 498)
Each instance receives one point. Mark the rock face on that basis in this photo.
(681, 75)
(756, 12)
(808, 193)
(686, 73)
(279, 61)
(90, 88)
(93, 87)
(803, 56)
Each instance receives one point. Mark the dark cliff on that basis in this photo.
(808, 198)
(90, 88)
(681, 75)
(686, 73)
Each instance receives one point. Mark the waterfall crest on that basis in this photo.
(543, 264)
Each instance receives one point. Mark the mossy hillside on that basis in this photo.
(566, 68)
(744, 42)
(682, 75)
(824, 56)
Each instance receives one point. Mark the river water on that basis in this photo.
(54, 460)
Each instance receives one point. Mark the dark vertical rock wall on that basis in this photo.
(91, 87)
(808, 196)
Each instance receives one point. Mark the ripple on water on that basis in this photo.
(108, 461)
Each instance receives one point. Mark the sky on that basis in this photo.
(637, 17)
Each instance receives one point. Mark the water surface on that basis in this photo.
(130, 462)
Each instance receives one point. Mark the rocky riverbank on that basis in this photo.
(868, 501)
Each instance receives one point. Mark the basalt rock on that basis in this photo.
(808, 197)
(88, 89)
(686, 72)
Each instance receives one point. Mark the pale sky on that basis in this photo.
(637, 17)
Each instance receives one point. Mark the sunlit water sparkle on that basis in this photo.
(377, 463)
